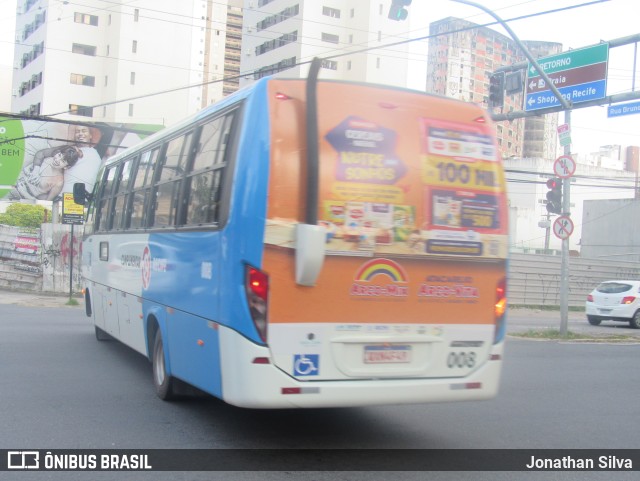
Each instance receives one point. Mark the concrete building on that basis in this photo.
(610, 231)
(462, 56)
(284, 35)
(590, 185)
(76, 60)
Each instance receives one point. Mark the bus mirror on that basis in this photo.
(310, 248)
(80, 194)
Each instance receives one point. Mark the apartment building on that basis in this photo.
(106, 61)
(462, 56)
(351, 36)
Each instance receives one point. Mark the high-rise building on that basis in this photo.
(285, 35)
(463, 55)
(102, 61)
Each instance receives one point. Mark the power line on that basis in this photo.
(338, 55)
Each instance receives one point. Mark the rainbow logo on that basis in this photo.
(372, 268)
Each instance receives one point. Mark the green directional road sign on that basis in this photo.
(579, 75)
(571, 59)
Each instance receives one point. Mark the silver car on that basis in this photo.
(615, 300)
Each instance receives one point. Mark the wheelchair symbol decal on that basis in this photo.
(306, 364)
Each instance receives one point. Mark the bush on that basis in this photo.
(25, 215)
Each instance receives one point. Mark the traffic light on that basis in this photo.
(496, 90)
(397, 11)
(554, 196)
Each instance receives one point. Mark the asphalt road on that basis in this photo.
(63, 389)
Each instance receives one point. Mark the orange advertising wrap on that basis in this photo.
(412, 195)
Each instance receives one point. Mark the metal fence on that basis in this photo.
(535, 279)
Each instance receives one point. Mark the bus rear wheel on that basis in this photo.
(161, 380)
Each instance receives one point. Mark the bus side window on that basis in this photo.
(204, 182)
(204, 198)
(141, 192)
(168, 190)
(124, 186)
(103, 212)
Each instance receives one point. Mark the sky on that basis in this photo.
(579, 27)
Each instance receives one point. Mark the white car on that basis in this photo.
(615, 300)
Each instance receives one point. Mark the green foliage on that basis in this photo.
(554, 334)
(25, 215)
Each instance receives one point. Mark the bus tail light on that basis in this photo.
(257, 287)
(500, 310)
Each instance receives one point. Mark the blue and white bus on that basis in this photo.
(307, 243)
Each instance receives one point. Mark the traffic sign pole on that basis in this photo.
(564, 266)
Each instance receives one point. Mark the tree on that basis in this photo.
(25, 215)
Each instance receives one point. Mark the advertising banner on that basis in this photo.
(40, 160)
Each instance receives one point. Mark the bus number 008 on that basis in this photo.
(461, 359)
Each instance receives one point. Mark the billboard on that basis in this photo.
(42, 159)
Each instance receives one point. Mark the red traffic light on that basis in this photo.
(554, 196)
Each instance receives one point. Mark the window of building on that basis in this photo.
(85, 18)
(331, 12)
(84, 49)
(132, 79)
(136, 15)
(33, 26)
(269, 45)
(34, 109)
(79, 79)
(278, 17)
(274, 68)
(134, 46)
(330, 64)
(82, 110)
(378, 62)
(331, 38)
(130, 110)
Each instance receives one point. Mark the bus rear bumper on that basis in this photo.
(265, 386)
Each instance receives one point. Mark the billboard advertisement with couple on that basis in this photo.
(41, 160)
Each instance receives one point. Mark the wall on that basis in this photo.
(39, 259)
(610, 229)
(535, 279)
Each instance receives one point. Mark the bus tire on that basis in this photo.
(101, 335)
(161, 380)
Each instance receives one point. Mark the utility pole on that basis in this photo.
(564, 263)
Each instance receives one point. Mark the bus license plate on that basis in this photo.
(387, 354)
